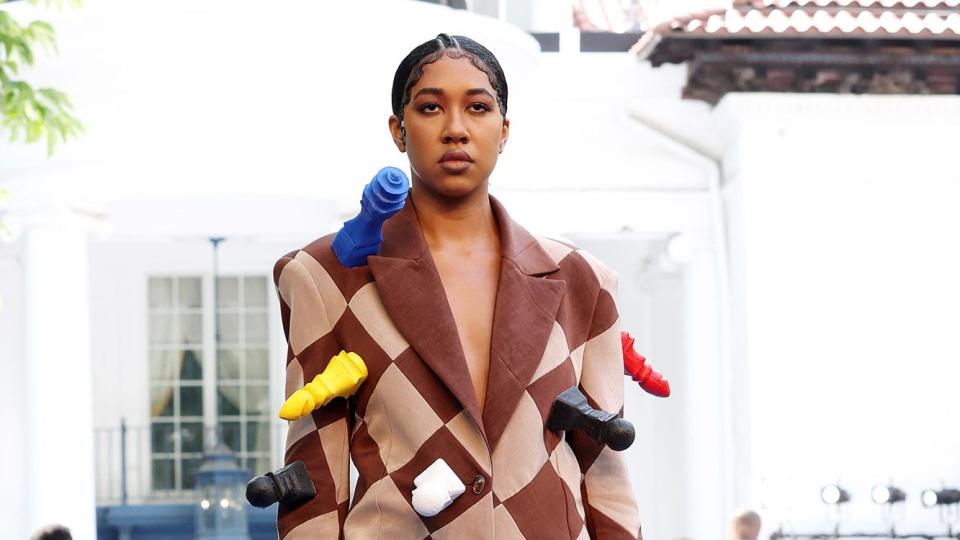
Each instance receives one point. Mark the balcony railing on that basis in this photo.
(124, 465)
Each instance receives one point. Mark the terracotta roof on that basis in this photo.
(925, 19)
(839, 46)
(888, 4)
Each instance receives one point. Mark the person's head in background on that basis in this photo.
(52, 532)
(449, 102)
(746, 526)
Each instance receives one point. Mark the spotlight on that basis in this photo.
(834, 494)
(887, 495)
(931, 497)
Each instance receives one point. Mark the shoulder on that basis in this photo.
(316, 254)
(575, 262)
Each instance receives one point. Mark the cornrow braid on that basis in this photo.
(411, 68)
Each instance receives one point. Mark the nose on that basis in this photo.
(454, 129)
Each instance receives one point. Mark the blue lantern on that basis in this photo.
(221, 508)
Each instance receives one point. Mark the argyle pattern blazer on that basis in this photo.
(555, 326)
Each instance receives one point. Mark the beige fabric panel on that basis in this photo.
(323, 526)
(469, 436)
(602, 373)
(521, 451)
(383, 513)
(608, 487)
(369, 310)
(308, 316)
(336, 448)
(476, 522)
(400, 428)
(554, 354)
(333, 299)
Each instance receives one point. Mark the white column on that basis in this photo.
(12, 402)
(59, 402)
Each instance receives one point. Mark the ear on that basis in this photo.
(504, 134)
(396, 132)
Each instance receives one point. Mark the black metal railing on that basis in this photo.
(124, 468)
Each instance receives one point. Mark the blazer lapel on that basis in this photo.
(525, 312)
(412, 294)
(526, 307)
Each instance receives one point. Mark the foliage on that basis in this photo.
(25, 111)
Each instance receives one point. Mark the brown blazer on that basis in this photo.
(555, 326)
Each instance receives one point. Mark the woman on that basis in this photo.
(469, 327)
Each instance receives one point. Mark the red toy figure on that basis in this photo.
(636, 366)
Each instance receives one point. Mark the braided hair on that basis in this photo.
(411, 68)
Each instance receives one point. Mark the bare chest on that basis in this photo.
(470, 283)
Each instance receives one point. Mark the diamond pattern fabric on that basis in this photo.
(555, 326)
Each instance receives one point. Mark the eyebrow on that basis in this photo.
(439, 92)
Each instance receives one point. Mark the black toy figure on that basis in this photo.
(571, 411)
(291, 486)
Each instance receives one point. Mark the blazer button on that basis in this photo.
(478, 484)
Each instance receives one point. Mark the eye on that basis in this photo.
(429, 107)
(479, 107)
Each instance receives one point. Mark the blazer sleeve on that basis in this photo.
(608, 501)
(320, 440)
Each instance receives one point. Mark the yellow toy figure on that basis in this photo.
(343, 376)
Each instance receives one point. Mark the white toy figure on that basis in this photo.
(436, 488)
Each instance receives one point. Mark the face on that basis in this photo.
(454, 129)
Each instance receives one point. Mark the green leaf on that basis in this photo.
(27, 113)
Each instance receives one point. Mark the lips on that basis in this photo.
(456, 155)
(455, 161)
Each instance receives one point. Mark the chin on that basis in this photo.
(453, 186)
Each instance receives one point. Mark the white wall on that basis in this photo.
(12, 396)
(846, 259)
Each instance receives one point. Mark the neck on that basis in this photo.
(465, 223)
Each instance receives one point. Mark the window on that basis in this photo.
(181, 352)
(243, 373)
(176, 381)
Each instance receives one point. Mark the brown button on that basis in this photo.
(478, 484)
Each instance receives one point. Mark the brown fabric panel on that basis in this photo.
(441, 400)
(366, 457)
(539, 509)
(545, 391)
(604, 314)
(342, 510)
(576, 311)
(442, 445)
(601, 526)
(284, 308)
(309, 451)
(348, 280)
(524, 316)
(315, 357)
(355, 339)
(413, 296)
(574, 522)
(503, 393)
(585, 448)
(520, 246)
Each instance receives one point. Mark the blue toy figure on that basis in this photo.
(360, 237)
